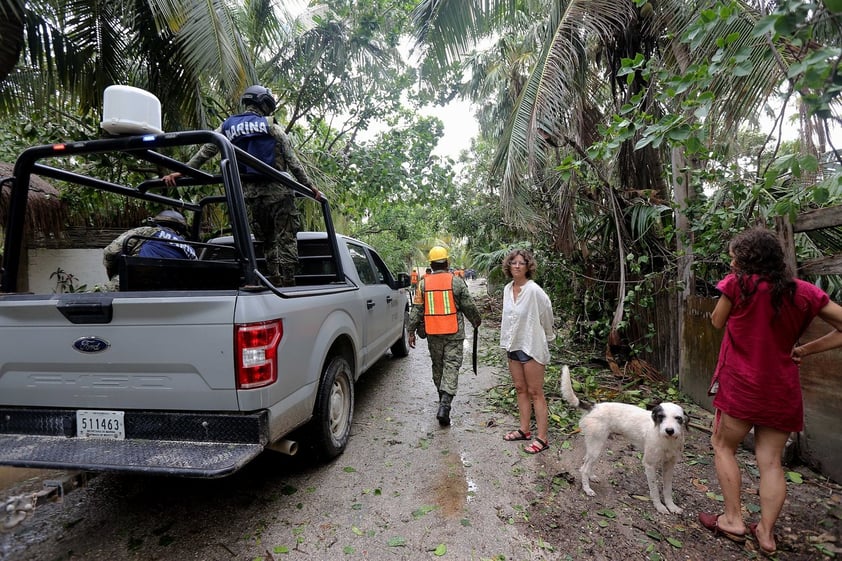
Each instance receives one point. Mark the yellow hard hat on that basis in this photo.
(438, 253)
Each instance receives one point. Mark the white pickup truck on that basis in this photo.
(193, 367)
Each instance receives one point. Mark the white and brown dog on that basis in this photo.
(660, 434)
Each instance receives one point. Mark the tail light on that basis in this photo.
(257, 353)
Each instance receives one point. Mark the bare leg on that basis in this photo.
(728, 433)
(768, 448)
(524, 406)
(534, 375)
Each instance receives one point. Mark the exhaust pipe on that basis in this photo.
(285, 446)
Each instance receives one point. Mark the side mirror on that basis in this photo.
(402, 281)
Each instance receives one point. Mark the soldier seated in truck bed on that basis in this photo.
(161, 240)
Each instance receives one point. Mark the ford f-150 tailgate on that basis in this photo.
(82, 365)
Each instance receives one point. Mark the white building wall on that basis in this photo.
(84, 264)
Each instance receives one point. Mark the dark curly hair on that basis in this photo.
(757, 251)
(531, 265)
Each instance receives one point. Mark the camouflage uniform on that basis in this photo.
(112, 252)
(446, 350)
(275, 218)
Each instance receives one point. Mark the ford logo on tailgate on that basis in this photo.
(90, 345)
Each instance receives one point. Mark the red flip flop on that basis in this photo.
(753, 529)
(536, 446)
(711, 522)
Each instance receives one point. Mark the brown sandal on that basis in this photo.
(517, 435)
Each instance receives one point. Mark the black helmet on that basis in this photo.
(172, 219)
(259, 97)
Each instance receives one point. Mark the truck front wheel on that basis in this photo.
(331, 423)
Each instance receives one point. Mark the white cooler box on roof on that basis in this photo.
(128, 110)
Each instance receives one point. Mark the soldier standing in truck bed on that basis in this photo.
(274, 215)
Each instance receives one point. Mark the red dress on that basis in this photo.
(758, 381)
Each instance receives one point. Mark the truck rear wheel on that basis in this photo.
(331, 423)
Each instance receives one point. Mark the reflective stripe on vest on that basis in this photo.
(440, 305)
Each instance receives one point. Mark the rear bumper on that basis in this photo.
(196, 444)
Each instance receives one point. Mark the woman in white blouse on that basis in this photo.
(525, 331)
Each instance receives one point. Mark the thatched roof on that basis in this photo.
(44, 209)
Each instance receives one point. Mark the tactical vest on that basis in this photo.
(250, 132)
(166, 249)
(440, 305)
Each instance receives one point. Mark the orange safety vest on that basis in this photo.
(440, 305)
(414, 277)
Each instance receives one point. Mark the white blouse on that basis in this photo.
(527, 323)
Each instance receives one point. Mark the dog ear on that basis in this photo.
(657, 414)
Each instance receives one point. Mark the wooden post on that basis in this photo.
(784, 229)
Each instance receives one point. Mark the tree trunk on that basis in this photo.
(683, 192)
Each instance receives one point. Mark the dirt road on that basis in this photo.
(407, 489)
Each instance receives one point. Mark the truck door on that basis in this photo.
(382, 307)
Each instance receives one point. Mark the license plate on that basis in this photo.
(100, 424)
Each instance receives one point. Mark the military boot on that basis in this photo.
(287, 276)
(443, 414)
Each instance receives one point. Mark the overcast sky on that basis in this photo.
(460, 127)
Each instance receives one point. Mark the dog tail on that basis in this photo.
(567, 391)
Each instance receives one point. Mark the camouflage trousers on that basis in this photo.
(446, 355)
(275, 219)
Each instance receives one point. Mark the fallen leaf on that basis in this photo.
(795, 477)
(397, 541)
(607, 512)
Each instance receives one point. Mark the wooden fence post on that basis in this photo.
(785, 234)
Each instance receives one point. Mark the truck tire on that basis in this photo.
(331, 423)
(400, 348)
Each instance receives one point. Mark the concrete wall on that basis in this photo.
(84, 264)
(820, 445)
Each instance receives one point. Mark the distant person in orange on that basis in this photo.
(413, 281)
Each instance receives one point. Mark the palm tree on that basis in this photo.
(11, 34)
(73, 50)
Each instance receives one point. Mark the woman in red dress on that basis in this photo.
(764, 310)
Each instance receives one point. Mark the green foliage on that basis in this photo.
(67, 282)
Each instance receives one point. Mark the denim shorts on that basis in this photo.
(519, 356)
